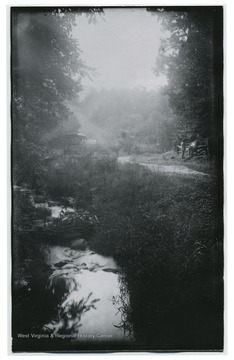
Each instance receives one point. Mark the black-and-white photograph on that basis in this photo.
(117, 179)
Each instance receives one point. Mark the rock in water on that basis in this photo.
(114, 271)
(61, 263)
(79, 244)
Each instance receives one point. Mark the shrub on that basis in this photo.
(162, 230)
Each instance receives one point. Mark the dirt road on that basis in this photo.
(170, 169)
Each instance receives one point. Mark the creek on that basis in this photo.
(85, 289)
(92, 304)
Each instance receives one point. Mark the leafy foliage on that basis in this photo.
(165, 232)
(69, 315)
(191, 57)
(46, 72)
(168, 249)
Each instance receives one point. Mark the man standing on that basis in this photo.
(182, 148)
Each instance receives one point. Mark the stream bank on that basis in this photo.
(78, 290)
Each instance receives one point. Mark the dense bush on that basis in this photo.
(164, 231)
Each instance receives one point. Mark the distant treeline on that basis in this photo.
(138, 115)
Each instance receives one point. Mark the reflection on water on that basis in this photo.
(87, 289)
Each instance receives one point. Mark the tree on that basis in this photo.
(191, 57)
(46, 73)
(142, 115)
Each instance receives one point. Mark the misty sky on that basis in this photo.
(123, 48)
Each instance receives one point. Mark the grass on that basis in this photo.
(166, 233)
